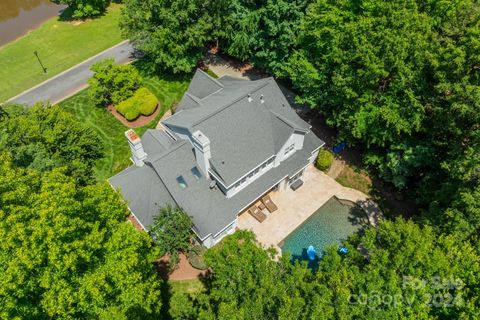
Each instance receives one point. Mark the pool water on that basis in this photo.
(331, 223)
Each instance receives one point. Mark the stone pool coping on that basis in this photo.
(294, 207)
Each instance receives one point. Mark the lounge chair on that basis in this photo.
(257, 214)
(269, 203)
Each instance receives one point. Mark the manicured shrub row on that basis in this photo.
(143, 102)
(324, 160)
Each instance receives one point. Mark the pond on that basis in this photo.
(329, 225)
(17, 17)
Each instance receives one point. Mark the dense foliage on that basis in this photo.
(324, 160)
(45, 137)
(172, 33)
(112, 83)
(82, 9)
(400, 77)
(67, 252)
(171, 231)
(143, 102)
(409, 273)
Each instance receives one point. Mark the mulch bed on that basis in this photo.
(139, 122)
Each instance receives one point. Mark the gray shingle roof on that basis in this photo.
(243, 134)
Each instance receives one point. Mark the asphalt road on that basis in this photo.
(73, 80)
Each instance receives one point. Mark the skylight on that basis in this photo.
(196, 173)
(181, 181)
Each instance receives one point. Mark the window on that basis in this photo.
(289, 149)
(196, 173)
(181, 181)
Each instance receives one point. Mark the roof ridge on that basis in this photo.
(227, 105)
(211, 78)
(288, 122)
(160, 156)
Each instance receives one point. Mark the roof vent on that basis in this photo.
(250, 98)
(261, 99)
(212, 184)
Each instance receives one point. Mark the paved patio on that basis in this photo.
(294, 207)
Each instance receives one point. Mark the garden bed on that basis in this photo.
(139, 122)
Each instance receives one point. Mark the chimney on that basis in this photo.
(202, 151)
(250, 98)
(136, 147)
(261, 99)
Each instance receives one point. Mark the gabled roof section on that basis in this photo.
(203, 85)
(247, 122)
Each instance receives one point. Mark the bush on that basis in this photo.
(143, 102)
(112, 83)
(195, 257)
(324, 160)
(82, 9)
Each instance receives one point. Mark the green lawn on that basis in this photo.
(111, 131)
(60, 45)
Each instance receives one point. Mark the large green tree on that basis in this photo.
(82, 9)
(403, 272)
(112, 83)
(172, 33)
(400, 77)
(171, 231)
(67, 251)
(45, 137)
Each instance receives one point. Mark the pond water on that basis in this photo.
(17, 17)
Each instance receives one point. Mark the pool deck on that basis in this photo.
(294, 207)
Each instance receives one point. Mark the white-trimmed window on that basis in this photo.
(289, 149)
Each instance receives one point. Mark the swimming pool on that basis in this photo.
(331, 223)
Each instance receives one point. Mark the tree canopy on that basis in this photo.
(45, 137)
(408, 272)
(82, 9)
(112, 83)
(67, 251)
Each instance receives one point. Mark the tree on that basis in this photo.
(261, 32)
(82, 9)
(112, 83)
(67, 251)
(172, 33)
(399, 78)
(405, 271)
(45, 137)
(171, 231)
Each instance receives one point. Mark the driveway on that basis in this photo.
(74, 79)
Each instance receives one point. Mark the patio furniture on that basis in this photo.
(257, 214)
(261, 206)
(269, 203)
(296, 184)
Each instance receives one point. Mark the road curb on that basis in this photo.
(65, 71)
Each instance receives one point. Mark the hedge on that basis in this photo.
(143, 102)
(324, 160)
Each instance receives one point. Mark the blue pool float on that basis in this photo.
(343, 250)
(339, 147)
(311, 253)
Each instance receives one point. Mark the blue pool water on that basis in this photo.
(330, 224)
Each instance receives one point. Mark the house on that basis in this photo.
(229, 142)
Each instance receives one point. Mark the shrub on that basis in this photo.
(112, 83)
(195, 257)
(324, 160)
(143, 102)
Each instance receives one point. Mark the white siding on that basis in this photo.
(294, 143)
